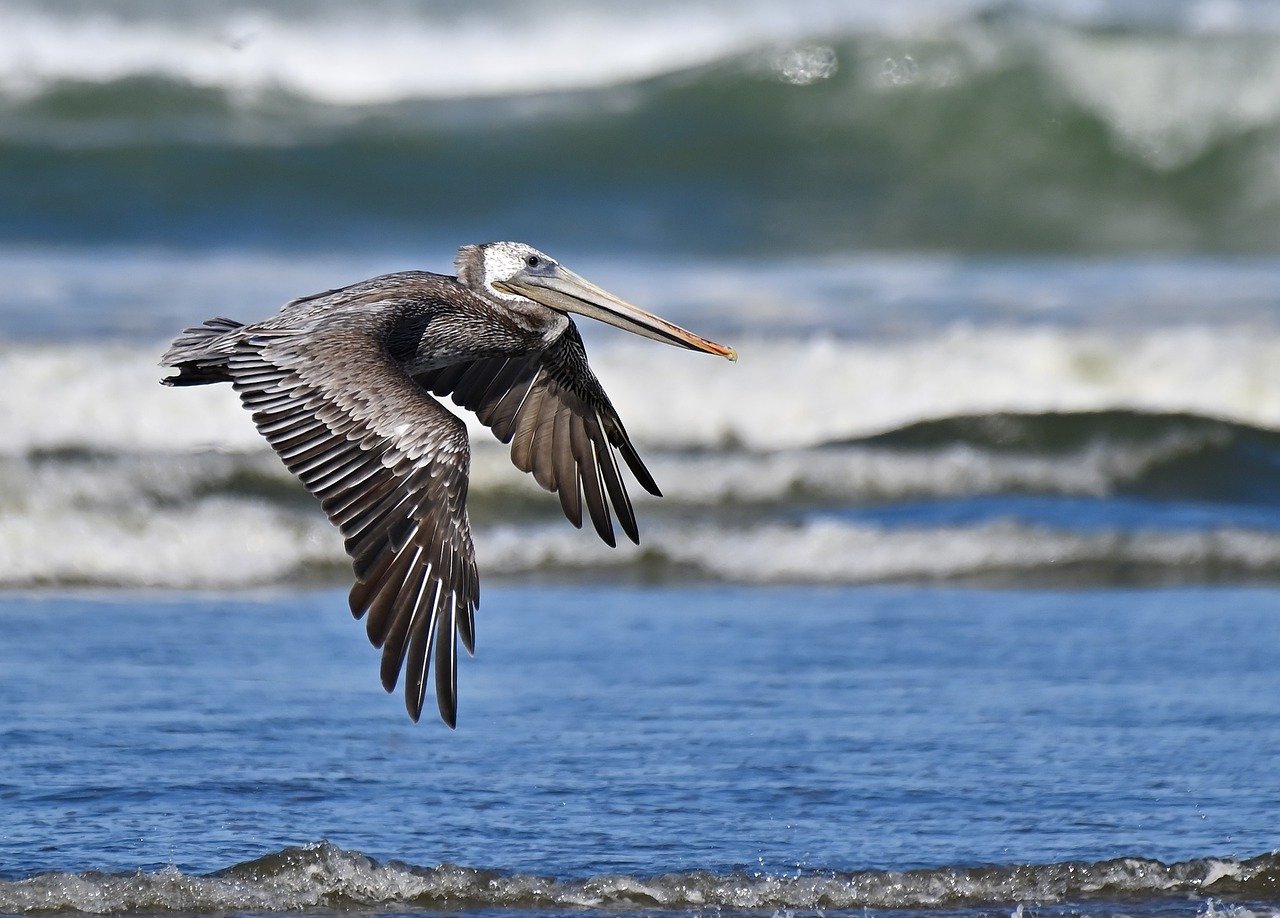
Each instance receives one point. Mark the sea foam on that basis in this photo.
(325, 877)
(781, 394)
(1146, 88)
(325, 55)
(108, 477)
(222, 541)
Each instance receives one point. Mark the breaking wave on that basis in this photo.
(322, 51)
(1021, 455)
(1001, 552)
(857, 467)
(782, 395)
(1089, 498)
(970, 126)
(326, 877)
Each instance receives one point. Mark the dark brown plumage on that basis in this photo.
(340, 385)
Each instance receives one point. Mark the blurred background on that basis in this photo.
(1003, 275)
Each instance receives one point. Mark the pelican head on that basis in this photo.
(515, 271)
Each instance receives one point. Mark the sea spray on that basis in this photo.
(326, 877)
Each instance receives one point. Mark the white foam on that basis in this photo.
(861, 473)
(105, 398)
(832, 551)
(1168, 98)
(229, 520)
(781, 394)
(172, 522)
(315, 878)
(793, 394)
(209, 543)
(379, 52)
(327, 878)
(345, 55)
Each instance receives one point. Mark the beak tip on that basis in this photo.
(731, 354)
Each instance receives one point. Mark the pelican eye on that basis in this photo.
(532, 261)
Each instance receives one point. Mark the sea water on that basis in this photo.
(962, 591)
(622, 747)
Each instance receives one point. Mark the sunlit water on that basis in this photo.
(646, 731)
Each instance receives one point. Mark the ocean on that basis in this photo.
(963, 596)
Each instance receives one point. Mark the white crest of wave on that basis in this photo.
(185, 522)
(781, 394)
(1167, 88)
(1167, 98)
(375, 52)
(839, 552)
(105, 398)
(325, 877)
(802, 393)
(868, 473)
(383, 52)
(316, 877)
(209, 543)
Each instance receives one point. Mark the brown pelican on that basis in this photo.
(340, 384)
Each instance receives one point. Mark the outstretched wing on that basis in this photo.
(389, 465)
(561, 426)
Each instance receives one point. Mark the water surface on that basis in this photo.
(648, 731)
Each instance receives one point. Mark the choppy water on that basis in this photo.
(808, 748)
(962, 594)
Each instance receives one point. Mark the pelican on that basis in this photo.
(341, 383)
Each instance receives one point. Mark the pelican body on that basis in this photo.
(341, 385)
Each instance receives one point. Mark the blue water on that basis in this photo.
(648, 730)
(963, 595)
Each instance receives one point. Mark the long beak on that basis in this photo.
(565, 291)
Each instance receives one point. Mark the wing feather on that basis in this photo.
(560, 423)
(389, 465)
(585, 454)
(612, 478)
(446, 645)
(543, 447)
(404, 610)
(566, 464)
(525, 438)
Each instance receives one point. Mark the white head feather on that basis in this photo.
(497, 261)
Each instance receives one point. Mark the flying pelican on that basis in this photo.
(340, 385)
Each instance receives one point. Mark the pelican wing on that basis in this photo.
(389, 464)
(561, 426)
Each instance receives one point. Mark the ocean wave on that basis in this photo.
(962, 126)
(109, 478)
(135, 538)
(782, 394)
(321, 51)
(1177, 456)
(840, 552)
(1094, 453)
(326, 877)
